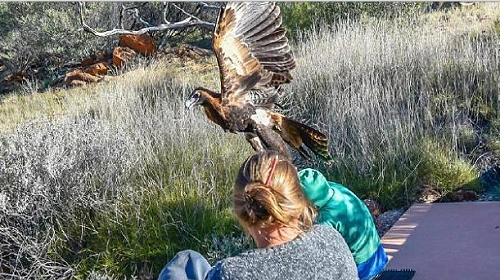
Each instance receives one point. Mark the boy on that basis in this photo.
(340, 208)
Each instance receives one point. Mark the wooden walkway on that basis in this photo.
(459, 241)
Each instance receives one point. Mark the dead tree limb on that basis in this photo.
(208, 6)
(190, 21)
(186, 13)
(126, 10)
(135, 14)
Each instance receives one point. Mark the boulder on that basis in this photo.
(143, 44)
(121, 55)
(79, 78)
(100, 68)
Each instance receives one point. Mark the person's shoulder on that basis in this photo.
(334, 252)
(328, 237)
(325, 232)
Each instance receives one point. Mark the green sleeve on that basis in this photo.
(315, 187)
(341, 209)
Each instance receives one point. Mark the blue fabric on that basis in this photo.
(216, 272)
(186, 265)
(374, 265)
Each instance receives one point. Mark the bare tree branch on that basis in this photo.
(466, 3)
(184, 12)
(188, 22)
(135, 14)
(81, 6)
(162, 27)
(120, 20)
(208, 6)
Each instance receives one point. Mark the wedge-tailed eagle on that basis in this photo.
(254, 59)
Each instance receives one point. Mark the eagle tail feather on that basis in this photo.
(296, 134)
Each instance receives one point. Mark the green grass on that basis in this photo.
(443, 171)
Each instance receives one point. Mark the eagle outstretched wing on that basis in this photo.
(252, 52)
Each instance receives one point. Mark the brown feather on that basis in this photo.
(249, 42)
(295, 134)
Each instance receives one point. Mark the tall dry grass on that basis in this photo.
(384, 89)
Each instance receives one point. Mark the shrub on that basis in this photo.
(121, 183)
(46, 35)
(440, 169)
(41, 39)
(306, 15)
(52, 173)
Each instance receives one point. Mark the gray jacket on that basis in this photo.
(320, 253)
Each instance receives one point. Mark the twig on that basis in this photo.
(209, 6)
(184, 12)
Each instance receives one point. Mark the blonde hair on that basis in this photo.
(281, 201)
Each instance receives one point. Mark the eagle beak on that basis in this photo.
(190, 103)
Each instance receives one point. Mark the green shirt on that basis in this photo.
(342, 209)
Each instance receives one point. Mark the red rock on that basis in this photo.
(78, 78)
(122, 55)
(143, 44)
(100, 68)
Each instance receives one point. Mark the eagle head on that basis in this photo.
(195, 98)
(201, 96)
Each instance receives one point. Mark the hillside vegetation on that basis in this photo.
(108, 181)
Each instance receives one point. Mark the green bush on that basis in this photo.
(441, 170)
(305, 15)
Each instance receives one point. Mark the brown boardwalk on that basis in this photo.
(459, 241)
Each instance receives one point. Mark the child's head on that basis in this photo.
(279, 202)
